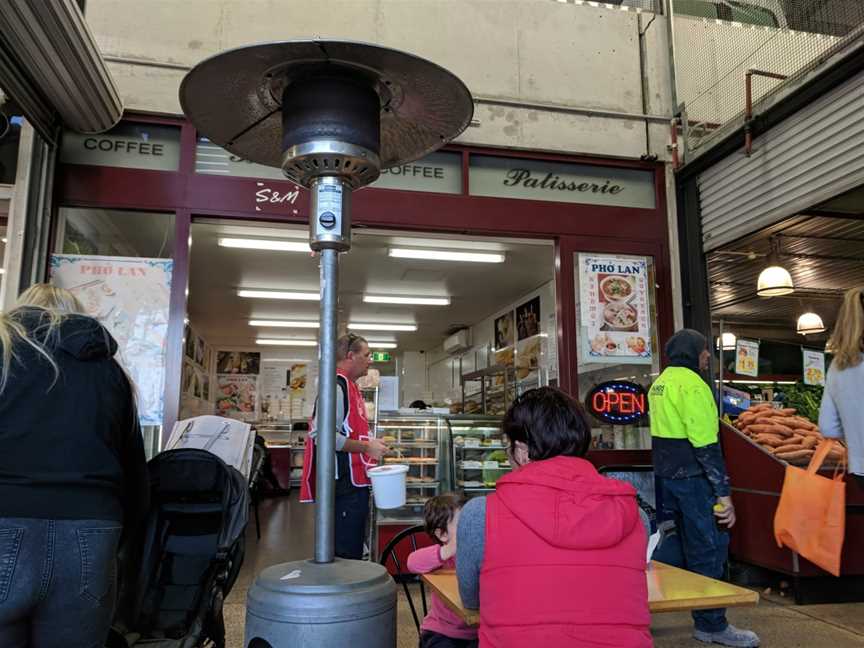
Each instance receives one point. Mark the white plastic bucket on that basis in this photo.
(388, 485)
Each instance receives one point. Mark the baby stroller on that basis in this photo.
(176, 574)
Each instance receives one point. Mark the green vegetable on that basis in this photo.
(804, 398)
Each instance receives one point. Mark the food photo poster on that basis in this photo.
(615, 309)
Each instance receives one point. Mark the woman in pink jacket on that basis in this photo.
(555, 558)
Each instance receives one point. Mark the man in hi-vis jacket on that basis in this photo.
(691, 474)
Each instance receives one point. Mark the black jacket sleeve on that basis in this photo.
(133, 461)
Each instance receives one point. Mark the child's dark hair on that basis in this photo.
(439, 510)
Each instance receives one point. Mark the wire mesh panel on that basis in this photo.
(718, 41)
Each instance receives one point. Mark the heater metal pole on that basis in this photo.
(325, 480)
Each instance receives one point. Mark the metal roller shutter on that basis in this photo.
(809, 158)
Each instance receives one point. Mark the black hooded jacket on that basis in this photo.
(70, 443)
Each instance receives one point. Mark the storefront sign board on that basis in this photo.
(129, 145)
(437, 173)
(504, 177)
(131, 298)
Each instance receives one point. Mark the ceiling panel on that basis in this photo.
(824, 255)
(477, 290)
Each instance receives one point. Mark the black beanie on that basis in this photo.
(684, 348)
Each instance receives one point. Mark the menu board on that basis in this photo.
(814, 367)
(615, 308)
(131, 298)
(274, 380)
(747, 357)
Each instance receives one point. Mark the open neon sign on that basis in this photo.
(618, 403)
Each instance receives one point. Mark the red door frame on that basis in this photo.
(573, 227)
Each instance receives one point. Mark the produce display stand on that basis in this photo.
(757, 479)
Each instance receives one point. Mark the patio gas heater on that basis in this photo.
(331, 115)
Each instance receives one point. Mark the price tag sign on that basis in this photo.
(472, 443)
(490, 465)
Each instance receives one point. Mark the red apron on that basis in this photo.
(355, 426)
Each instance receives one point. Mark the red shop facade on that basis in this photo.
(105, 172)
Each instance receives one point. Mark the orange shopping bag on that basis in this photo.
(811, 515)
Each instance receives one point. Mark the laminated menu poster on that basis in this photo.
(615, 308)
(236, 395)
(131, 298)
(230, 440)
(814, 367)
(747, 357)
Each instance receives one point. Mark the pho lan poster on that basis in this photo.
(131, 298)
(615, 309)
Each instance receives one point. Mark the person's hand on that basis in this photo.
(726, 517)
(448, 549)
(376, 449)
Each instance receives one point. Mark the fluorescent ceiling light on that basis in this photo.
(446, 255)
(419, 301)
(299, 360)
(265, 244)
(279, 294)
(382, 345)
(382, 327)
(2, 270)
(303, 343)
(284, 324)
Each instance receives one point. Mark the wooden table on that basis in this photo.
(669, 590)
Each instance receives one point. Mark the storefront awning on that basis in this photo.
(51, 66)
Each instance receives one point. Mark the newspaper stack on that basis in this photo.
(230, 440)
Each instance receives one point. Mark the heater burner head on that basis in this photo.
(325, 108)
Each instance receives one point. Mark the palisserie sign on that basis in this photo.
(501, 177)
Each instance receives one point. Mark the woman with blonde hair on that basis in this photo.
(73, 475)
(842, 412)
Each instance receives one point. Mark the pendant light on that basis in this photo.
(774, 280)
(727, 341)
(810, 323)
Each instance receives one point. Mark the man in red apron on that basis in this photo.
(356, 448)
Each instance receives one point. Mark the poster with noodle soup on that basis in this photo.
(131, 297)
(615, 309)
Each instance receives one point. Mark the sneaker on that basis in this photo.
(731, 636)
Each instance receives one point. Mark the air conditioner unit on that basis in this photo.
(458, 343)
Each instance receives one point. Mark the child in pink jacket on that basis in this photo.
(441, 628)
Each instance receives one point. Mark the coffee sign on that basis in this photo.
(436, 173)
(131, 145)
(522, 179)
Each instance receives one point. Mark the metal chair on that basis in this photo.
(402, 575)
(259, 454)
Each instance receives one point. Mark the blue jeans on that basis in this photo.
(57, 582)
(352, 513)
(702, 547)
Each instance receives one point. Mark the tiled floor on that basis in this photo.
(287, 534)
